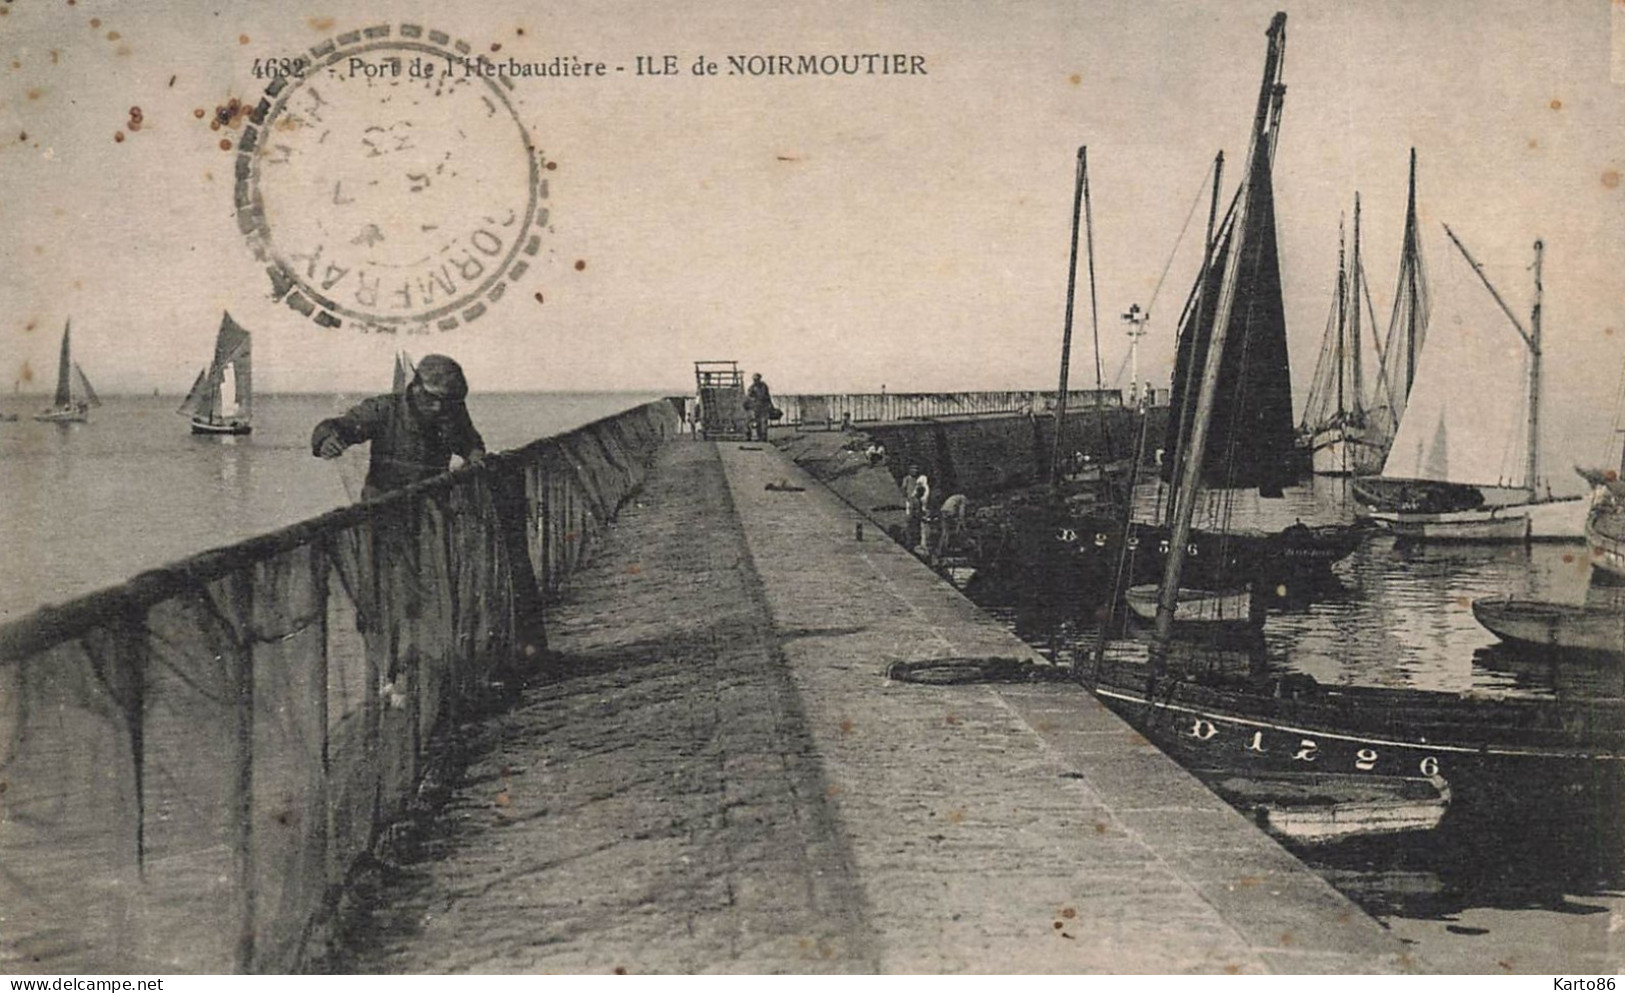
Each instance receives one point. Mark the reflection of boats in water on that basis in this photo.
(1318, 808)
(1563, 627)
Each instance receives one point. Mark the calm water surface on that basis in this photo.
(83, 506)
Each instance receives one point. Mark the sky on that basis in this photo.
(841, 233)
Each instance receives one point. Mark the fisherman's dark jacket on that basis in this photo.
(406, 448)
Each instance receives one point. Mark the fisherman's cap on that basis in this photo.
(443, 377)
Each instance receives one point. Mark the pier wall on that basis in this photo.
(191, 762)
(828, 409)
(978, 456)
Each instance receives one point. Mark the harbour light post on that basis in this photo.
(1135, 318)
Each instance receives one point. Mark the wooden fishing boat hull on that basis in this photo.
(1507, 761)
(1345, 451)
(1267, 559)
(1605, 537)
(1314, 808)
(62, 417)
(1199, 612)
(217, 427)
(1560, 626)
(1546, 520)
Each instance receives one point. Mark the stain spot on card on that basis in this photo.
(34, 93)
(225, 144)
(1610, 179)
(581, 264)
(242, 39)
(118, 135)
(113, 36)
(320, 23)
(27, 373)
(1076, 79)
(539, 297)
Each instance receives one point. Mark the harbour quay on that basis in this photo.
(620, 700)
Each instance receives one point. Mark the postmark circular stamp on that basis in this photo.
(388, 185)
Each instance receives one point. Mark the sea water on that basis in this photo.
(85, 506)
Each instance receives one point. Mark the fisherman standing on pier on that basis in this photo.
(759, 402)
(413, 434)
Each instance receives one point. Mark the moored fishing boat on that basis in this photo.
(1563, 627)
(1315, 808)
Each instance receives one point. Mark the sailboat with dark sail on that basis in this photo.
(1230, 424)
(221, 400)
(74, 395)
(1337, 425)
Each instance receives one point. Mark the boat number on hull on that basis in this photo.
(1298, 749)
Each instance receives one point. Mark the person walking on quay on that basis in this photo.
(413, 434)
(759, 402)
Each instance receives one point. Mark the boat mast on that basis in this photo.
(1066, 335)
(1409, 262)
(1340, 362)
(1533, 469)
(1271, 93)
(1354, 320)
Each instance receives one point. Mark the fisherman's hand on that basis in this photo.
(331, 447)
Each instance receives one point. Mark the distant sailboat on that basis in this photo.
(1336, 420)
(221, 400)
(405, 371)
(1449, 475)
(74, 395)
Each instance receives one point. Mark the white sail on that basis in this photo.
(1471, 388)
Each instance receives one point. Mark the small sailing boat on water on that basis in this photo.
(74, 394)
(1337, 426)
(221, 400)
(1447, 476)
